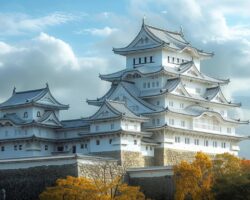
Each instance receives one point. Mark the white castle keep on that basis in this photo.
(159, 110)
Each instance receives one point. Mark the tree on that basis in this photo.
(231, 178)
(194, 180)
(73, 188)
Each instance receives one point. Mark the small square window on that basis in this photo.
(2, 148)
(46, 147)
(135, 142)
(97, 142)
(20, 147)
(110, 141)
(112, 126)
(145, 59)
(171, 103)
(214, 144)
(196, 142)
(97, 128)
(187, 141)
(82, 146)
(151, 59)
(15, 147)
(158, 103)
(177, 139)
(144, 85)
(206, 143)
(86, 146)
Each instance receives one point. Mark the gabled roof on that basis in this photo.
(170, 86)
(131, 89)
(75, 123)
(152, 70)
(12, 117)
(118, 110)
(150, 37)
(49, 118)
(32, 97)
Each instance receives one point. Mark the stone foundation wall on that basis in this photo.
(148, 161)
(165, 157)
(27, 184)
(126, 158)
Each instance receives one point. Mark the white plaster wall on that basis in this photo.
(201, 147)
(105, 126)
(147, 150)
(105, 144)
(157, 58)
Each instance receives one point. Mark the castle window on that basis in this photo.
(38, 114)
(46, 147)
(151, 59)
(144, 85)
(110, 141)
(153, 121)
(158, 103)
(171, 103)
(135, 142)
(25, 115)
(178, 60)
(20, 147)
(112, 126)
(135, 126)
(168, 59)
(187, 141)
(133, 61)
(145, 59)
(82, 146)
(2, 148)
(198, 90)
(229, 130)
(223, 145)
(97, 128)
(177, 139)
(196, 142)
(60, 148)
(157, 83)
(183, 123)
(15, 147)
(97, 142)
(171, 121)
(146, 147)
(148, 84)
(126, 126)
(182, 60)
(139, 60)
(150, 148)
(214, 144)
(173, 60)
(86, 146)
(158, 121)
(206, 143)
(181, 105)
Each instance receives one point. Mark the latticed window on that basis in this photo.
(25, 115)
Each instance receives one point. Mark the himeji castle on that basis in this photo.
(160, 109)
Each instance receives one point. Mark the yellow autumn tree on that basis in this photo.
(194, 180)
(81, 188)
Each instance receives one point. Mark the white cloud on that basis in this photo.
(106, 31)
(19, 23)
(44, 59)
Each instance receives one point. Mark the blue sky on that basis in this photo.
(68, 43)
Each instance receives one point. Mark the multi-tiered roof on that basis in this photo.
(150, 39)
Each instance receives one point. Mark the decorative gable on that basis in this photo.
(120, 94)
(47, 99)
(180, 90)
(49, 118)
(104, 112)
(219, 98)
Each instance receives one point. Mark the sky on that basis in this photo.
(69, 43)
